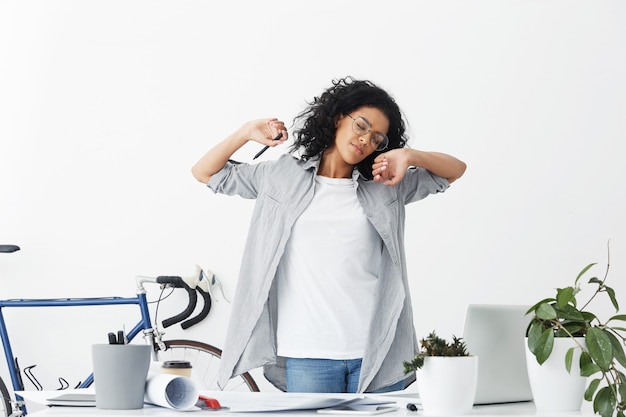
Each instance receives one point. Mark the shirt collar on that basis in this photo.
(314, 163)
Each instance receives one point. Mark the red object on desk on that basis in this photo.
(210, 402)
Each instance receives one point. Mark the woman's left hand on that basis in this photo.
(389, 167)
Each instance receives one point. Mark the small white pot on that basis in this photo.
(447, 385)
(553, 388)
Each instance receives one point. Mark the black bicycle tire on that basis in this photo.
(217, 352)
(6, 399)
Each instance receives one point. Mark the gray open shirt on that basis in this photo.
(283, 189)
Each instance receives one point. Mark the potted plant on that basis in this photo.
(598, 343)
(447, 375)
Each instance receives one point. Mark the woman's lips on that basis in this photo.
(357, 149)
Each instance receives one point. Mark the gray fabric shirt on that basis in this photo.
(283, 189)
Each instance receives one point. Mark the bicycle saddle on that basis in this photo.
(9, 248)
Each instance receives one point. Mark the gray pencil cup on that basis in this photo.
(120, 373)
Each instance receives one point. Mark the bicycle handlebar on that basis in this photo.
(205, 310)
(178, 282)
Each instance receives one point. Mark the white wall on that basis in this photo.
(105, 106)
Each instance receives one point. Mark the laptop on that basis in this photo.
(495, 333)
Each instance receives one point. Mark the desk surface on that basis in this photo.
(525, 409)
(520, 410)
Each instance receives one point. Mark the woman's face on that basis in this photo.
(353, 147)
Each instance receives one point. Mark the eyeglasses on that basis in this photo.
(361, 126)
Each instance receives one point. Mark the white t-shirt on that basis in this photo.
(327, 276)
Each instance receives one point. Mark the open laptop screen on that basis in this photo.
(495, 333)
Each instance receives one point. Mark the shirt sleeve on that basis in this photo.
(237, 178)
(418, 183)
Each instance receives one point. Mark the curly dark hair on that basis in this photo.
(316, 124)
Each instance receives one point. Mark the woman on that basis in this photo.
(322, 300)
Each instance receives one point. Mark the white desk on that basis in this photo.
(526, 409)
(520, 410)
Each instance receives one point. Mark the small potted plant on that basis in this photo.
(447, 375)
(596, 346)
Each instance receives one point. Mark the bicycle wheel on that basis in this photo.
(5, 404)
(205, 361)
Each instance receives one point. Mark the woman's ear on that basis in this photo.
(337, 118)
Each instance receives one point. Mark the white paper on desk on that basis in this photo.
(171, 391)
(251, 402)
(361, 410)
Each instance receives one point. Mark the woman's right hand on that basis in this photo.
(261, 130)
(264, 131)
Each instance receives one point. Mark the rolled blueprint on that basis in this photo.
(171, 391)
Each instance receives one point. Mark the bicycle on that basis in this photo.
(204, 358)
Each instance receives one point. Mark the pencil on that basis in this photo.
(280, 135)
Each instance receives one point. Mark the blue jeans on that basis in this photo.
(327, 375)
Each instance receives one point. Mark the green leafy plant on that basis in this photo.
(603, 354)
(434, 345)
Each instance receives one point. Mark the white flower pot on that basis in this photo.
(447, 385)
(553, 388)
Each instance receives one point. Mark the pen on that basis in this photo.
(280, 135)
(120, 337)
(112, 339)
